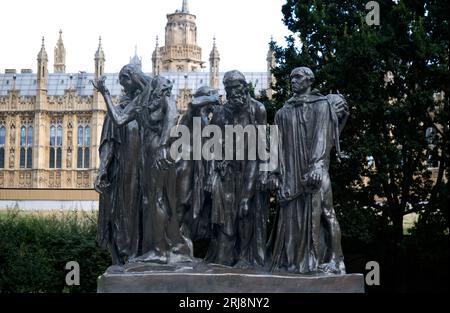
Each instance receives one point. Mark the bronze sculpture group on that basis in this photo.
(154, 206)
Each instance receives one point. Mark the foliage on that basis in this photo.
(390, 114)
(34, 250)
(389, 118)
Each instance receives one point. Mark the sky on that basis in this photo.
(242, 28)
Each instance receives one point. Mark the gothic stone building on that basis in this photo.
(50, 123)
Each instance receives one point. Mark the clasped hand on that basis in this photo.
(243, 208)
(162, 159)
(101, 182)
(314, 178)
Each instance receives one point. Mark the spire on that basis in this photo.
(185, 8)
(60, 37)
(59, 64)
(214, 59)
(99, 54)
(99, 59)
(214, 52)
(42, 77)
(156, 59)
(136, 60)
(156, 52)
(42, 55)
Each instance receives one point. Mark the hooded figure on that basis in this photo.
(118, 178)
(306, 237)
(155, 227)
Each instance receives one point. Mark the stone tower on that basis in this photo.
(98, 105)
(39, 119)
(99, 60)
(181, 52)
(156, 59)
(59, 64)
(214, 59)
(42, 78)
(136, 60)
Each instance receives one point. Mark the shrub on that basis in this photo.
(34, 249)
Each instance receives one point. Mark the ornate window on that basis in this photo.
(55, 158)
(2, 145)
(26, 144)
(83, 143)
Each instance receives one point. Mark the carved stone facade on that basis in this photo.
(45, 130)
(51, 123)
(40, 147)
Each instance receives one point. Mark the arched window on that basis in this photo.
(80, 136)
(26, 144)
(55, 157)
(52, 136)
(2, 146)
(59, 136)
(30, 136)
(83, 149)
(23, 132)
(87, 144)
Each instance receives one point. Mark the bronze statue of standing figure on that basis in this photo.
(307, 236)
(193, 202)
(141, 213)
(239, 211)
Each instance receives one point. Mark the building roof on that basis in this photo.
(57, 83)
(81, 82)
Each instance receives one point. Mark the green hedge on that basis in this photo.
(34, 249)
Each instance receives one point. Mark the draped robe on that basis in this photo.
(307, 131)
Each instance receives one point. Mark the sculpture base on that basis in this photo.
(145, 278)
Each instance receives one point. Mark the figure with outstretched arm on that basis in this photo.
(148, 112)
(134, 89)
(118, 178)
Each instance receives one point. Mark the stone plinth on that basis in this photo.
(143, 278)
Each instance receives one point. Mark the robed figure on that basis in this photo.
(239, 209)
(118, 178)
(152, 216)
(193, 202)
(307, 237)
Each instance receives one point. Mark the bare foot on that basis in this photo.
(333, 268)
(151, 257)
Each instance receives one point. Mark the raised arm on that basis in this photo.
(117, 117)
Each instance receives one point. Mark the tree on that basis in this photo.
(390, 75)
